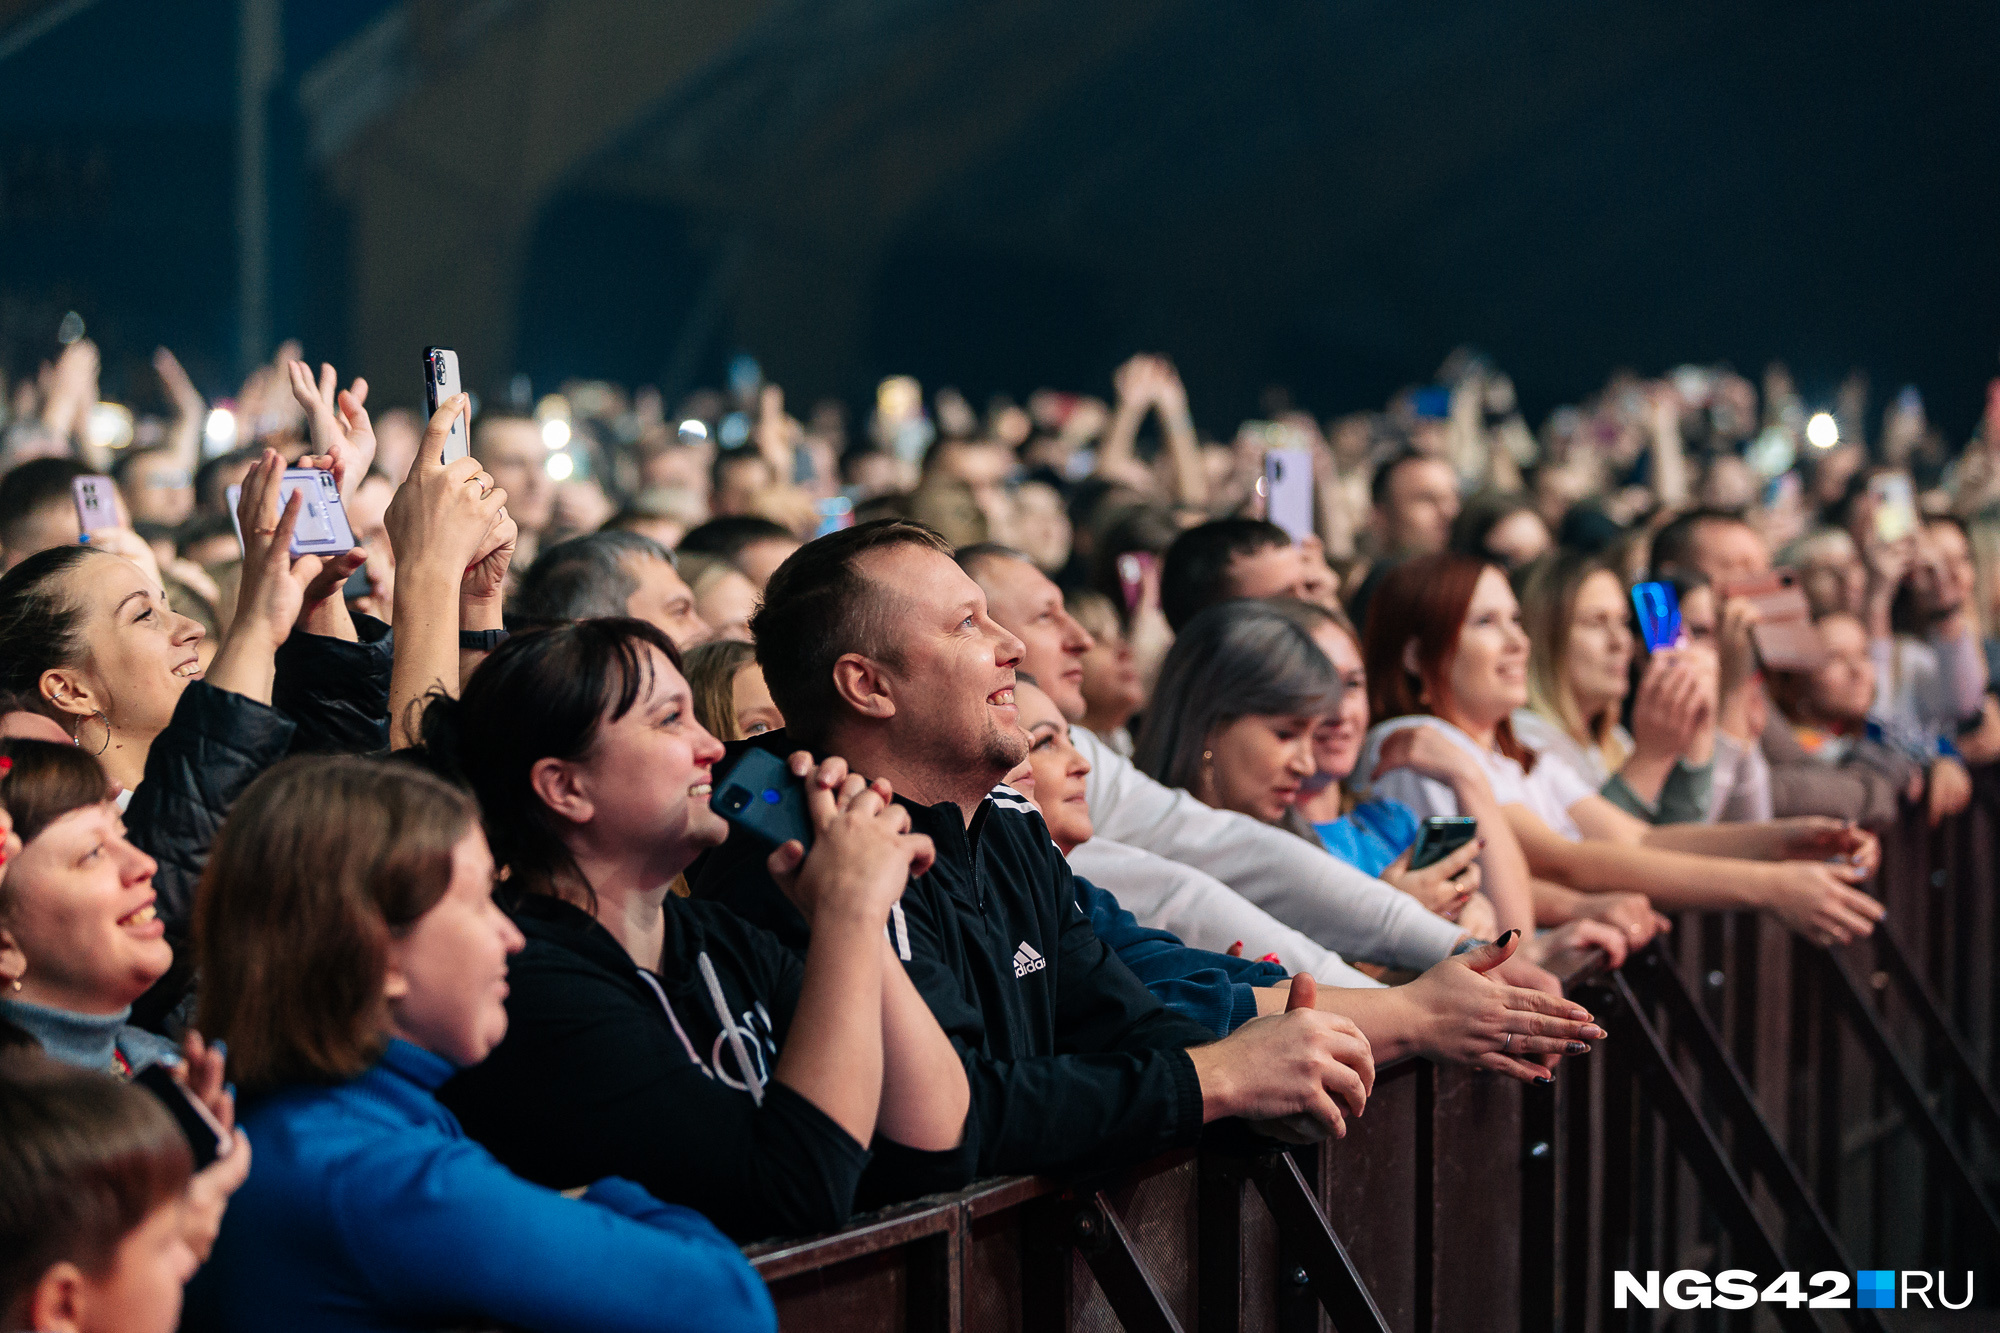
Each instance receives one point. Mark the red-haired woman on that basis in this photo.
(1445, 650)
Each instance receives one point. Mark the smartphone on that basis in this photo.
(1659, 608)
(1895, 506)
(1440, 836)
(1133, 566)
(759, 793)
(1784, 635)
(835, 512)
(1288, 491)
(96, 504)
(323, 528)
(1433, 403)
(440, 383)
(204, 1132)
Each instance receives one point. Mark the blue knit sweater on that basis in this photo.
(368, 1208)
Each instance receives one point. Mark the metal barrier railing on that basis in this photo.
(1760, 1104)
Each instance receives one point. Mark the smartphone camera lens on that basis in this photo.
(734, 799)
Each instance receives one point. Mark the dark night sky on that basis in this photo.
(1328, 195)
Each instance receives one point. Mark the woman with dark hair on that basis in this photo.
(1445, 650)
(667, 1039)
(87, 639)
(92, 1174)
(354, 959)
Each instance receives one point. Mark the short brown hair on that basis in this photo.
(84, 1159)
(322, 862)
(46, 782)
(819, 607)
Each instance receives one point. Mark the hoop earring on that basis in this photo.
(101, 716)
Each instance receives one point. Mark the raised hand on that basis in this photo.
(487, 574)
(343, 441)
(272, 592)
(442, 514)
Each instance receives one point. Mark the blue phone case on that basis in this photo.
(1659, 609)
(760, 794)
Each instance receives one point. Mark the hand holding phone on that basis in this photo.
(863, 854)
(1440, 836)
(1659, 608)
(322, 528)
(761, 794)
(207, 1136)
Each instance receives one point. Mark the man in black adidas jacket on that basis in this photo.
(877, 647)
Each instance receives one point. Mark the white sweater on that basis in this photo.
(1305, 887)
(1202, 910)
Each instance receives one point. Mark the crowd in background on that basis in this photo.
(1115, 744)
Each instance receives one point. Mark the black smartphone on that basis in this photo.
(204, 1132)
(759, 793)
(1440, 836)
(440, 383)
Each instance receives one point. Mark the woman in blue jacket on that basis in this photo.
(353, 959)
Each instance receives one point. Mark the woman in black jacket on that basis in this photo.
(87, 639)
(667, 1040)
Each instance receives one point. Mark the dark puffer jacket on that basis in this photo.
(331, 695)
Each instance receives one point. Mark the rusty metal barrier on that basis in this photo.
(1760, 1104)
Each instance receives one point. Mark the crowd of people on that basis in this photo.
(477, 1004)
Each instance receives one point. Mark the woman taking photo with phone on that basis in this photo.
(88, 640)
(666, 1039)
(1445, 650)
(354, 959)
(1578, 616)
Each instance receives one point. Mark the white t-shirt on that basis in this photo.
(1550, 790)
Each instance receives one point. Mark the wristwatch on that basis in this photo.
(480, 640)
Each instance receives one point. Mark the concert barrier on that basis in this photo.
(1759, 1104)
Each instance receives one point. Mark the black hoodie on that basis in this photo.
(1071, 1060)
(608, 1069)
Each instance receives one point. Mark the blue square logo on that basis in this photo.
(1875, 1289)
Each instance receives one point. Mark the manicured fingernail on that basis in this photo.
(1545, 1080)
(1507, 939)
(1576, 1048)
(220, 1047)
(1594, 1032)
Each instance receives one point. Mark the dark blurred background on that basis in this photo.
(1001, 195)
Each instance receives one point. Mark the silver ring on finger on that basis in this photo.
(1508, 1044)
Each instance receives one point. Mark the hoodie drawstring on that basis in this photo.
(755, 1083)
